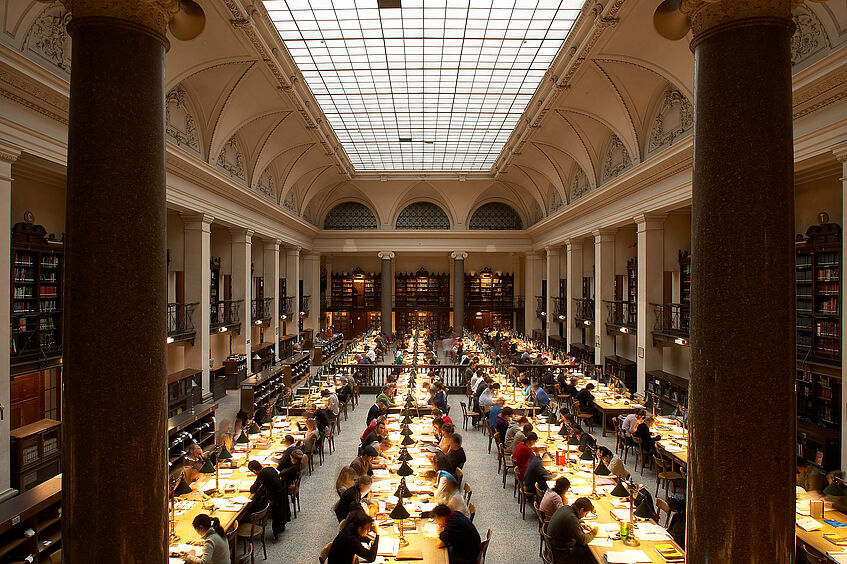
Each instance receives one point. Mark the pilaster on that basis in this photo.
(651, 254)
(271, 264)
(242, 289)
(554, 260)
(574, 287)
(198, 256)
(604, 289)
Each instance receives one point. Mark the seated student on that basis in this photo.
(242, 421)
(523, 453)
(379, 433)
(613, 462)
(353, 497)
(194, 461)
(526, 386)
(267, 490)
(387, 393)
(648, 439)
(439, 398)
(350, 540)
(456, 456)
(371, 426)
(346, 478)
(495, 411)
(501, 423)
(585, 440)
(363, 464)
(445, 444)
(377, 409)
(333, 407)
(542, 400)
(345, 390)
(554, 497)
(458, 534)
(486, 398)
(631, 422)
(536, 475)
(436, 413)
(320, 416)
(448, 493)
(809, 477)
(519, 436)
(215, 545)
(312, 436)
(571, 388)
(586, 398)
(290, 446)
(569, 537)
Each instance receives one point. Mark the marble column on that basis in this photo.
(271, 275)
(386, 291)
(651, 260)
(242, 289)
(554, 260)
(574, 287)
(312, 286)
(292, 286)
(114, 506)
(8, 155)
(532, 289)
(604, 289)
(742, 379)
(840, 153)
(458, 290)
(198, 274)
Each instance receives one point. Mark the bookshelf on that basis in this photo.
(37, 281)
(632, 281)
(672, 390)
(31, 524)
(36, 453)
(421, 290)
(437, 321)
(818, 306)
(195, 426)
(185, 389)
(487, 289)
(355, 290)
(260, 390)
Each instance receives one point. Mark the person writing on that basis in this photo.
(354, 498)
(569, 537)
(523, 453)
(449, 494)
(613, 462)
(458, 534)
(267, 490)
(350, 541)
(554, 498)
(215, 545)
(648, 439)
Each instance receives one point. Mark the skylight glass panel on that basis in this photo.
(434, 85)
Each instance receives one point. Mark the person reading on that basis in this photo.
(215, 545)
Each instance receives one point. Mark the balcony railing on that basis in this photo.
(180, 324)
(286, 307)
(540, 306)
(305, 303)
(224, 314)
(261, 309)
(673, 320)
(584, 309)
(421, 300)
(560, 309)
(480, 301)
(621, 314)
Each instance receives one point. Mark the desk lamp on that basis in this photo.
(267, 419)
(224, 454)
(180, 488)
(254, 429)
(405, 470)
(399, 513)
(632, 489)
(404, 455)
(402, 491)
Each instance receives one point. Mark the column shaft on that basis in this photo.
(459, 291)
(271, 262)
(387, 291)
(242, 289)
(8, 155)
(604, 289)
(292, 286)
(312, 286)
(743, 276)
(532, 289)
(114, 498)
(651, 257)
(574, 288)
(198, 272)
(553, 276)
(841, 154)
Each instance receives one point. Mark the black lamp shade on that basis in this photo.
(833, 489)
(254, 429)
(602, 469)
(399, 512)
(402, 490)
(620, 491)
(405, 470)
(242, 438)
(182, 488)
(207, 468)
(586, 455)
(224, 454)
(407, 441)
(644, 511)
(573, 441)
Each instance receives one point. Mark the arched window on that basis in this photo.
(423, 215)
(495, 215)
(350, 215)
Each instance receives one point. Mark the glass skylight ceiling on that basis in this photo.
(434, 85)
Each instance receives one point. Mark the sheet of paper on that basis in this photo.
(388, 546)
(809, 524)
(839, 557)
(381, 473)
(621, 514)
(627, 557)
(430, 530)
(603, 541)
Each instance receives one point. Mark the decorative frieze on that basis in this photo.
(231, 159)
(48, 36)
(179, 123)
(674, 119)
(617, 159)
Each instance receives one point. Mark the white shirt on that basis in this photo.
(332, 403)
(371, 355)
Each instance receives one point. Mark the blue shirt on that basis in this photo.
(492, 415)
(541, 398)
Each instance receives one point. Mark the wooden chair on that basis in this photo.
(330, 438)
(665, 473)
(324, 554)
(811, 557)
(468, 492)
(232, 541)
(248, 556)
(343, 406)
(662, 505)
(491, 436)
(254, 530)
(56, 557)
(472, 509)
(526, 497)
(619, 439)
(483, 548)
(294, 493)
(587, 418)
(459, 476)
(638, 449)
(541, 523)
(508, 463)
(467, 415)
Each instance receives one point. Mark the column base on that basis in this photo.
(7, 494)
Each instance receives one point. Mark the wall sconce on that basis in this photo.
(222, 330)
(169, 340)
(624, 330)
(681, 341)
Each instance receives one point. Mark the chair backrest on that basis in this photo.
(56, 557)
(258, 520)
(464, 408)
(324, 553)
(539, 494)
(459, 475)
(662, 505)
(468, 492)
(472, 510)
(232, 538)
(483, 548)
(245, 558)
(813, 558)
(659, 462)
(542, 518)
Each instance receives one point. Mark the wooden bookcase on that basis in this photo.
(437, 321)
(265, 352)
(622, 369)
(37, 282)
(818, 301)
(260, 389)
(36, 453)
(235, 368)
(672, 390)
(190, 427)
(185, 389)
(31, 524)
(356, 290)
(421, 290)
(632, 281)
(487, 289)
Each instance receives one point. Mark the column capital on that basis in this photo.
(241, 235)
(152, 14)
(199, 220)
(708, 15)
(458, 255)
(552, 250)
(272, 244)
(386, 255)
(840, 152)
(293, 251)
(9, 153)
(604, 235)
(573, 244)
(650, 221)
